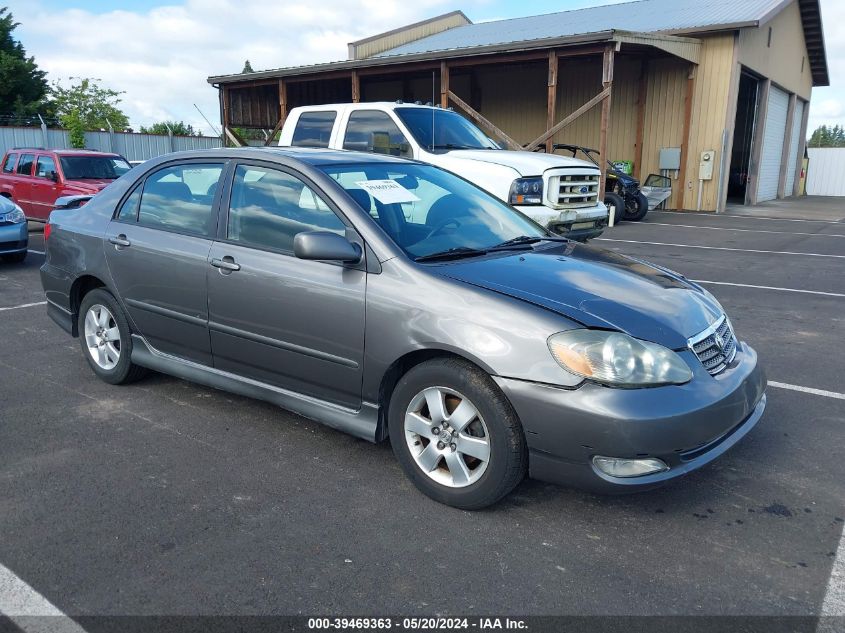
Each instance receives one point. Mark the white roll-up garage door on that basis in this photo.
(797, 120)
(773, 137)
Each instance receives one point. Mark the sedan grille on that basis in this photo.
(715, 347)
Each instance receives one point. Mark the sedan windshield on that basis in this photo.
(430, 213)
(437, 129)
(94, 167)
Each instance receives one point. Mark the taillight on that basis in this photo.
(47, 229)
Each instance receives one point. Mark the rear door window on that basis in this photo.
(374, 131)
(9, 163)
(25, 164)
(314, 129)
(180, 198)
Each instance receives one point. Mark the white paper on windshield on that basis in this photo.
(387, 191)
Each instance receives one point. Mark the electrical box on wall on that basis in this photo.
(705, 166)
(670, 158)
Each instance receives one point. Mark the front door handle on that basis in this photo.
(120, 241)
(226, 265)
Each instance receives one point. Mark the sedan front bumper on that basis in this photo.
(14, 238)
(685, 426)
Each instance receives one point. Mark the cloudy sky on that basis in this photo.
(160, 52)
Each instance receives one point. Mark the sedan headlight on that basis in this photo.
(15, 216)
(526, 191)
(616, 359)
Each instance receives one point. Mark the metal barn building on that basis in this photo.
(729, 77)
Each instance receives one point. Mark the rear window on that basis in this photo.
(25, 164)
(9, 163)
(314, 129)
(93, 167)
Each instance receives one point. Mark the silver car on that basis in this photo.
(391, 299)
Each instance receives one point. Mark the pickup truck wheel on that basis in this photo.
(105, 339)
(636, 207)
(455, 434)
(614, 201)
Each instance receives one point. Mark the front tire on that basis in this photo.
(455, 434)
(106, 340)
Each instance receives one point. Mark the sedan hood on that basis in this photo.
(597, 288)
(526, 163)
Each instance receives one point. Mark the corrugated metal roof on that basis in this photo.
(647, 16)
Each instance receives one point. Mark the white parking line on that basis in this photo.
(809, 292)
(810, 390)
(720, 248)
(24, 305)
(726, 228)
(750, 217)
(29, 610)
(30, 250)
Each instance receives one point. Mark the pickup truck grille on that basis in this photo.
(715, 347)
(573, 190)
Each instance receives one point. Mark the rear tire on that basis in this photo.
(456, 435)
(637, 211)
(615, 201)
(106, 340)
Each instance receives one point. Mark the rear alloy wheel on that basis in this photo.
(636, 207)
(455, 434)
(105, 338)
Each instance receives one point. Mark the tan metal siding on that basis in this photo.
(710, 104)
(783, 60)
(398, 38)
(664, 112)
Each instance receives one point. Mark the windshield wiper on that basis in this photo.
(453, 146)
(452, 253)
(527, 239)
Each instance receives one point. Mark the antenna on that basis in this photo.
(213, 129)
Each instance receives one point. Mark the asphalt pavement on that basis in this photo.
(168, 498)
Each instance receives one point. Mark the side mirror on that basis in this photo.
(326, 246)
(53, 176)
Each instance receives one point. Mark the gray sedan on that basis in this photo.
(387, 298)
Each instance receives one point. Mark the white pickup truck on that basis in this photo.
(560, 193)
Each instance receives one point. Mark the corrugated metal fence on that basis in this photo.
(131, 146)
(824, 174)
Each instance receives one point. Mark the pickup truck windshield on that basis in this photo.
(437, 129)
(429, 212)
(93, 167)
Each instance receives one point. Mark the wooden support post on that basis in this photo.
(475, 116)
(283, 111)
(551, 101)
(685, 140)
(642, 97)
(604, 94)
(356, 87)
(787, 149)
(224, 108)
(444, 85)
(607, 84)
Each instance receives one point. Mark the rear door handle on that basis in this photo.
(120, 240)
(227, 264)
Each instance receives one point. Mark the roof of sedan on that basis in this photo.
(311, 155)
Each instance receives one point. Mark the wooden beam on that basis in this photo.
(551, 98)
(607, 84)
(685, 141)
(444, 85)
(225, 112)
(234, 137)
(604, 94)
(642, 97)
(475, 116)
(356, 87)
(787, 149)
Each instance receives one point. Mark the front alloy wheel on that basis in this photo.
(102, 336)
(447, 437)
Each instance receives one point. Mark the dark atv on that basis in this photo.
(621, 190)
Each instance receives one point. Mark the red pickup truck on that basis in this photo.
(34, 178)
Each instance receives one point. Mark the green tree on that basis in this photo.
(73, 124)
(93, 105)
(178, 128)
(824, 136)
(247, 67)
(22, 84)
